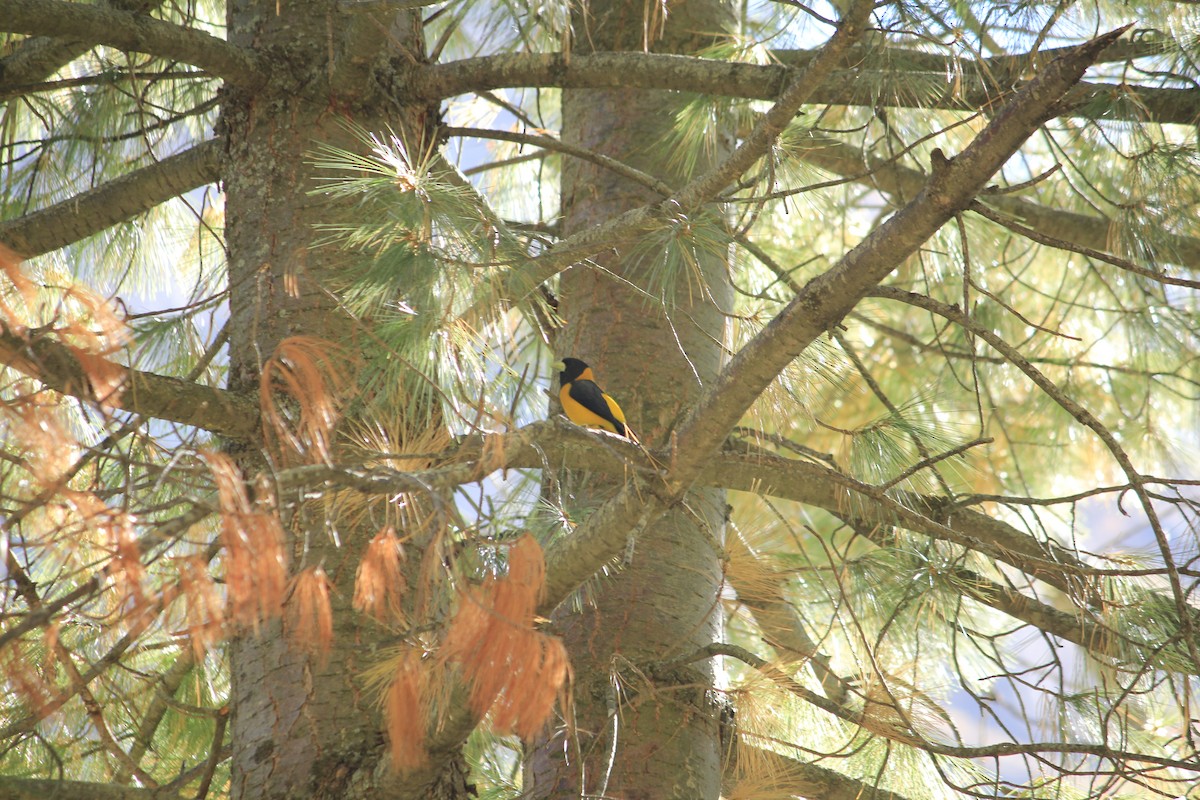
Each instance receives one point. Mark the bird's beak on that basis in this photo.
(558, 366)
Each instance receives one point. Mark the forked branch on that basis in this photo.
(134, 32)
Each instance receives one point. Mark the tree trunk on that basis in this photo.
(302, 725)
(644, 731)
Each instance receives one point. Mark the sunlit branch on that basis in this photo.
(783, 680)
(116, 201)
(41, 613)
(762, 473)
(488, 166)
(79, 681)
(125, 30)
(868, 505)
(825, 300)
(95, 712)
(1082, 629)
(1084, 417)
(1099, 255)
(930, 461)
(950, 352)
(44, 614)
(900, 182)
(906, 735)
(949, 89)
(883, 398)
(999, 69)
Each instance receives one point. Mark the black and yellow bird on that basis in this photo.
(585, 403)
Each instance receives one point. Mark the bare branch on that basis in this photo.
(1089, 420)
(134, 32)
(554, 144)
(900, 183)
(34, 60)
(114, 202)
(845, 87)
(825, 300)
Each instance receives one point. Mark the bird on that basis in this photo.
(585, 403)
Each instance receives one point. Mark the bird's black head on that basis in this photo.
(569, 369)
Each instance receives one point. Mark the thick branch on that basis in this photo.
(570, 560)
(945, 88)
(555, 444)
(825, 300)
(826, 488)
(145, 393)
(1080, 628)
(36, 59)
(901, 183)
(114, 202)
(36, 789)
(821, 304)
(134, 32)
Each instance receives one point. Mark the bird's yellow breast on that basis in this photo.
(582, 415)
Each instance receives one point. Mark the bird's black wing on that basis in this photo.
(591, 397)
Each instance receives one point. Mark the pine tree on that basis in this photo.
(900, 300)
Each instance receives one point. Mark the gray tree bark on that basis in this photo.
(642, 732)
(302, 725)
